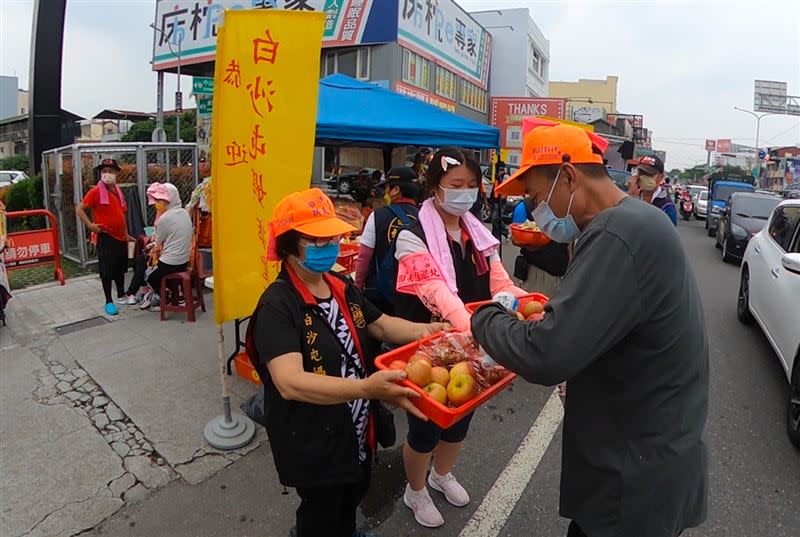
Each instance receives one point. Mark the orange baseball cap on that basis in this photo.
(547, 142)
(310, 212)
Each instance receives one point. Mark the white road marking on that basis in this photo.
(493, 512)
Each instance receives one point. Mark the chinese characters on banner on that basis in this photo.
(446, 34)
(195, 25)
(28, 248)
(266, 83)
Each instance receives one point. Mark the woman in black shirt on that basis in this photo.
(307, 343)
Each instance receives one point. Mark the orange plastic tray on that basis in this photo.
(348, 256)
(441, 415)
(528, 237)
(524, 299)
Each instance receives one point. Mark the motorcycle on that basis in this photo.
(687, 206)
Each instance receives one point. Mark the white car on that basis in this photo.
(11, 177)
(769, 292)
(701, 205)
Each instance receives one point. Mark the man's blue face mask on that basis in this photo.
(561, 230)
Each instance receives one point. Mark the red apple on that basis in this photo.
(419, 373)
(461, 389)
(437, 392)
(418, 357)
(462, 368)
(532, 307)
(440, 375)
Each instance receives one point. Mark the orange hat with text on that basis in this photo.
(546, 143)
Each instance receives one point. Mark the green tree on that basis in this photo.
(142, 131)
(16, 162)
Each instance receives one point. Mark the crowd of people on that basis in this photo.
(166, 251)
(623, 326)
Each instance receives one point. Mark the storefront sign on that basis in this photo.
(507, 114)
(711, 145)
(203, 85)
(266, 80)
(28, 249)
(424, 96)
(724, 146)
(447, 35)
(195, 24)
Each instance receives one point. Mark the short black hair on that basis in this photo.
(435, 172)
(593, 171)
(408, 189)
(288, 244)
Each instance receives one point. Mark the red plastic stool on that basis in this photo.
(185, 284)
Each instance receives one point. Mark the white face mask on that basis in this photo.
(458, 201)
(108, 178)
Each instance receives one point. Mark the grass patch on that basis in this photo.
(22, 278)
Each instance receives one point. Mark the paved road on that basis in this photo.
(755, 472)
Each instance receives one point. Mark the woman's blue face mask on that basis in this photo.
(320, 259)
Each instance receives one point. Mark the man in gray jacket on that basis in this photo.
(626, 331)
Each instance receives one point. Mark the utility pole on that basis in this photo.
(178, 95)
(758, 128)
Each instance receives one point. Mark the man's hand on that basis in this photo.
(382, 385)
(432, 328)
(94, 228)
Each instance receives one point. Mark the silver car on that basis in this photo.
(701, 205)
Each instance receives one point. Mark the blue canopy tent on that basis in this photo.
(353, 113)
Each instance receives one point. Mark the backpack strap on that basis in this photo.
(399, 213)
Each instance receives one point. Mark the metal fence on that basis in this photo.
(69, 173)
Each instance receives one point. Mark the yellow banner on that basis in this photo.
(265, 107)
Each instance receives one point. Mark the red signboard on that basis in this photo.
(711, 145)
(508, 112)
(724, 146)
(424, 96)
(26, 249)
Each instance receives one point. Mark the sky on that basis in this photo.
(683, 65)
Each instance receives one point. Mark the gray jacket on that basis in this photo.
(626, 330)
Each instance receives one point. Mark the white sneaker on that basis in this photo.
(122, 299)
(447, 485)
(132, 300)
(425, 512)
(155, 303)
(146, 299)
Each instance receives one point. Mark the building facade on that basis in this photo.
(587, 97)
(432, 51)
(525, 69)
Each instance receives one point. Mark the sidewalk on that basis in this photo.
(96, 412)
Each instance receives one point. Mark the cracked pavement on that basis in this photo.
(103, 416)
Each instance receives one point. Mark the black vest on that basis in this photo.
(312, 445)
(471, 286)
(387, 225)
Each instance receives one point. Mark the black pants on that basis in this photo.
(575, 530)
(157, 273)
(330, 511)
(112, 261)
(139, 268)
(498, 227)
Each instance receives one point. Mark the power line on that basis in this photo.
(783, 132)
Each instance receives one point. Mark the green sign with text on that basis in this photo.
(202, 85)
(204, 105)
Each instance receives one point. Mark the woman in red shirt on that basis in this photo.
(110, 224)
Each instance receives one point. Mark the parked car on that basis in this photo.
(719, 193)
(620, 178)
(346, 182)
(769, 292)
(695, 191)
(701, 207)
(746, 214)
(11, 177)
